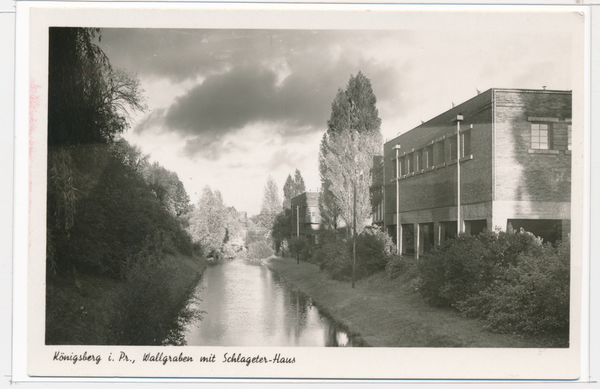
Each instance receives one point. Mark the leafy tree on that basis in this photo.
(270, 203)
(328, 209)
(353, 138)
(88, 100)
(292, 188)
(105, 217)
(299, 186)
(288, 192)
(88, 105)
(208, 222)
(376, 190)
(271, 206)
(168, 189)
(233, 226)
(282, 228)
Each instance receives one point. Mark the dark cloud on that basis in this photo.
(284, 79)
(176, 54)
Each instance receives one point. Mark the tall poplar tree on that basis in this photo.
(288, 192)
(292, 188)
(353, 137)
(299, 186)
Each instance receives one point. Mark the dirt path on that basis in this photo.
(387, 313)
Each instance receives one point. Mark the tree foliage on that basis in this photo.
(282, 228)
(271, 206)
(299, 186)
(89, 101)
(292, 188)
(510, 280)
(208, 221)
(105, 202)
(352, 139)
(288, 192)
(168, 189)
(271, 202)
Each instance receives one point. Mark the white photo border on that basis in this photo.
(520, 364)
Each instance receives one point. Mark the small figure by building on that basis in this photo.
(514, 152)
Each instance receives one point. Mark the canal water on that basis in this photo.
(246, 304)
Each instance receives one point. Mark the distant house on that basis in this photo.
(306, 219)
(515, 169)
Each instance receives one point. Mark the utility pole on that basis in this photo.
(354, 238)
(297, 234)
(458, 119)
(397, 178)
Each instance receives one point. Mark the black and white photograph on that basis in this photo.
(256, 199)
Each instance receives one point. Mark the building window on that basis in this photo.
(406, 164)
(409, 162)
(465, 143)
(440, 153)
(428, 157)
(569, 137)
(540, 136)
(403, 166)
(453, 151)
(419, 160)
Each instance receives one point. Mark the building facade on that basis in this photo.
(512, 154)
(306, 220)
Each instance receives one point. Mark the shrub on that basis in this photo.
(150, 309)
(530, 297)
(298, 246)
(252, 236)
(508, 279)
(466, 265)
(259, 249)
(396, 266)
(338, 263)
(229, 251)
(373, 252)
(284, 248)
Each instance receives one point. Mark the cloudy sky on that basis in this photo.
(228, 108)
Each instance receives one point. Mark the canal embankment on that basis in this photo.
(96, 303)
(389, 313)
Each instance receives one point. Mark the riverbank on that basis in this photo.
(95, 302)
(388, 313)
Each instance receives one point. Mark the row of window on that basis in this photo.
(436, 153)
(542, 137)
(440, 151)
(305, 211)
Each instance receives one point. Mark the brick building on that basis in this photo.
(515, 169)
(305, 216)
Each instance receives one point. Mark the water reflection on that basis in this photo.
(247, 305)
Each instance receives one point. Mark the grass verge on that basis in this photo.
(82, 309)
(387, 313)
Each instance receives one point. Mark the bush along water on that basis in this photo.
(511, 280)
(374, 249)
(153, 306)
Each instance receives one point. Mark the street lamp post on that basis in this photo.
(458, 119)
(397, 178)
(297, 235)
(354, 238)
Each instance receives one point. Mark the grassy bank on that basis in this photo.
(388, 313)
(87, 308)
